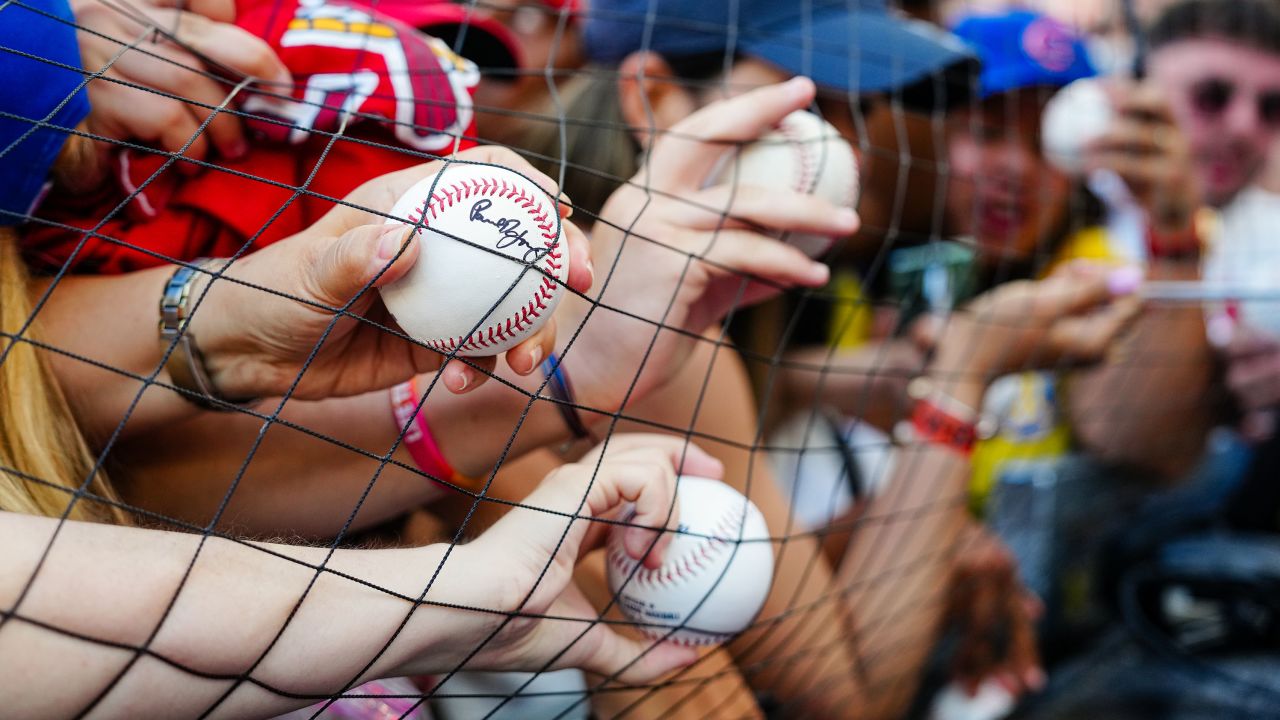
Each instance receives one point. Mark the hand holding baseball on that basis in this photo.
(538, 543)
(322, 288)
(1144, 146)
(666, 252)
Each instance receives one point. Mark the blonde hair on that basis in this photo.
(43, 457)
(599, 153)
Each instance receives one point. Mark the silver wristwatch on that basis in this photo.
(186, 364)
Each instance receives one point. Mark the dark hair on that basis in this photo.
(1255, 23)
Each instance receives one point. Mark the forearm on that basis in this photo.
(110, 322)
(896, 566)
(307, 476)
(868, 382)
(226, 612)
(1149, 407)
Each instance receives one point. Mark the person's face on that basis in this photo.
(1001, 191)
(1226, 98)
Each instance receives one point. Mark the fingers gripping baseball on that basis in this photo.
(682, 159)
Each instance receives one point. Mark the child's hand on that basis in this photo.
(535, 547)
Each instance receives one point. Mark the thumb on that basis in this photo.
(368, 255)
(630, 661)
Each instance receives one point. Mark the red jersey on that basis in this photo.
(371, 95)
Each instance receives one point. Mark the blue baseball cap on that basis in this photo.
(44, 92)
(850, 45)
(1022, 49)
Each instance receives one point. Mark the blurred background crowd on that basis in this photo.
(1064, 253)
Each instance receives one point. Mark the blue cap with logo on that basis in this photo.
(1022, 49)
(850, 45)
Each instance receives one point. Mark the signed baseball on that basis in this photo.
(716, 574)
(1075, 116)
(492, 266)
(805, 154)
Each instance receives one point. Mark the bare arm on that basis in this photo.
(209, 611)
(1150, 406)
(234, 600)
(900, 559)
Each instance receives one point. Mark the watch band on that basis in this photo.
(186, 364)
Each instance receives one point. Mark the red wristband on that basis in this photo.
(417, 438)
(940, 420)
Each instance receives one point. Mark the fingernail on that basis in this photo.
(1035, 678)
(1124, 281)
(238, 149)
(846, 218)
(635, 542)
(535, 358)
(390, 242)
(799, 85)
(464, 379)
(1219, 329)
(591, 271)
(819, 273)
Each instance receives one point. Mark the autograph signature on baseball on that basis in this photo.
(510, 232)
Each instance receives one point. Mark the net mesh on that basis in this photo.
(792, 394)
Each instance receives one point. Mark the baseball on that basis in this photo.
(805, 154)
(492, 267)
(717, 571)
(1074, 117)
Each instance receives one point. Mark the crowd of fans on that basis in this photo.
(280, 505)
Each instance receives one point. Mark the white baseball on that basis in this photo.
(716, 574)
(805, 154)
(1075, 116)
(482, 296)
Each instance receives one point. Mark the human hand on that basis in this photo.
(170, 47)
(534, 549)
(256, 343)
(1069, 318)
(676, 253)
(1145, 147)
(995, 615)
(1252, 359)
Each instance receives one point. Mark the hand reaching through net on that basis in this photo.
(257, 344)
(535, 549)
(668, 254)
(352, 614)
(1067, 319)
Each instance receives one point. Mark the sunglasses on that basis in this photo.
(1212, 96)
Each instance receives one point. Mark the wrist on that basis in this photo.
(965, 380)
(190, 333)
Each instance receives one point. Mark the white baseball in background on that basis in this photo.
(805, 154)
(482, 298)
(703, 583)
(1075, 116)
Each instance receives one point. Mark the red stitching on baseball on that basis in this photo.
(808, 180)
(444, 198)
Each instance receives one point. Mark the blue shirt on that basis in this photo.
(44, 85)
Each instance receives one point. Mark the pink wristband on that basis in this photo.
(417, 439)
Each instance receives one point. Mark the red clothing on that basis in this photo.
(400, 87)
